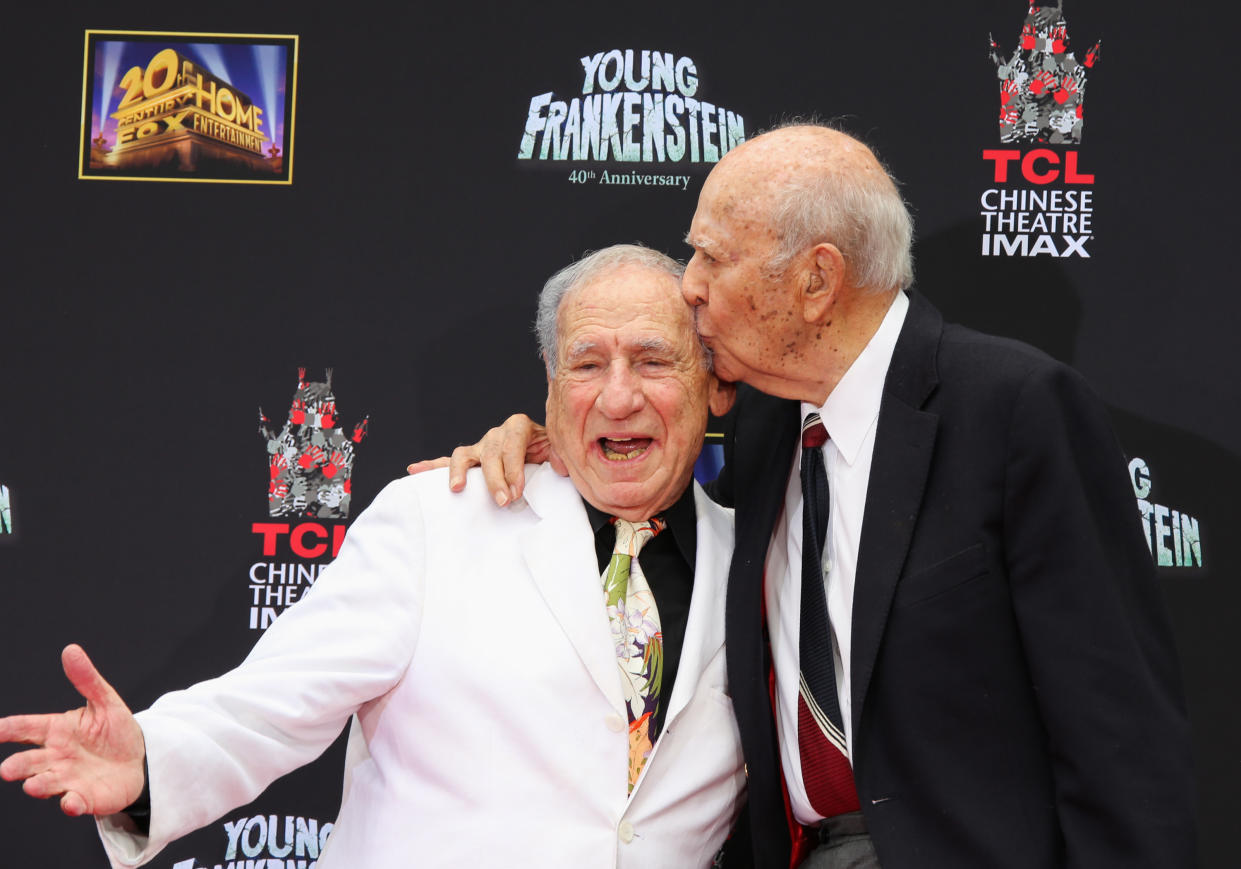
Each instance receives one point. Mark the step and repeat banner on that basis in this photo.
(257, 257)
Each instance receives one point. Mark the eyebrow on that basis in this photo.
(699, 242)
(579, 348)
(642, 345)
(705, 244)
(655, 345)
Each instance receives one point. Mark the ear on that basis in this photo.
(721, 396)
(823, 278)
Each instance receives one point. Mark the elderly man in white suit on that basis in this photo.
(472, 643)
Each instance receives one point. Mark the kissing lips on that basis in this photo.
(623, 449)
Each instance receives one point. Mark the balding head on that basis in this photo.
(809, 184)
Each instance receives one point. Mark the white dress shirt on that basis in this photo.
(851, 415)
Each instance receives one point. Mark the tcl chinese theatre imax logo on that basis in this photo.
(310, 464)
(1042, 201)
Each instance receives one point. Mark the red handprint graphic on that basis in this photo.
(334, 464)
(1068, 87)
(311, 457)
(1044, 81)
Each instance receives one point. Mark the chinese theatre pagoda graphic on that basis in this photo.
(1042, 84)
(311, 458)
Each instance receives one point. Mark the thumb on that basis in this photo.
(85, 678)
(73, 805)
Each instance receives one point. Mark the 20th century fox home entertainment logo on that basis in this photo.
(173, 106)
(634, 107)
(1042, 103)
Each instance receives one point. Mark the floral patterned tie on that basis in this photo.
(636, 635)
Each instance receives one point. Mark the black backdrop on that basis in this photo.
(142, 324)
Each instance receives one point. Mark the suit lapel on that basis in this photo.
(904, 445)
(766, 435)
(559, 553)
(769, 445)
(704, 628)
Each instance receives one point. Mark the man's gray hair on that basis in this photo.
(863, 214)
(582, 272)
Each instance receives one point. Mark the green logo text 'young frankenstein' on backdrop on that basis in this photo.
(635, 107)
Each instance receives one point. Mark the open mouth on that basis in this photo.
(623, 449)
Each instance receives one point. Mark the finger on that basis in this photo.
(25, 728)
(85, 678)
(513, 454)
(540, 447)
(45, 784)
(491, 459)
(427, 465)
(463, 458)
(24, 764)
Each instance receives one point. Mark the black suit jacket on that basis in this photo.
(1016, 697)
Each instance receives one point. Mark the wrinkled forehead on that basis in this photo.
(628, 298)
(733, 220)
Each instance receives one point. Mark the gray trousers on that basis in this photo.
(844, 844)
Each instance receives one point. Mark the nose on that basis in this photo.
(622, 394)
(693, 285)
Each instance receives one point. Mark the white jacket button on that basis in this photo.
(625, 832)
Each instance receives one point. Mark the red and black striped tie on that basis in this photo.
(826, 772)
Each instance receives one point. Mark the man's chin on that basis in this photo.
(726, 372)
(632, 500)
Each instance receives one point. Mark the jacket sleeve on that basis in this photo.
(220, 743)
(1096, 635)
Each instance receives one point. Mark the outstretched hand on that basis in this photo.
(502, 454)
(92, 756)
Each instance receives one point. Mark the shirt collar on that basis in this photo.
(853, 406)
(682, 519)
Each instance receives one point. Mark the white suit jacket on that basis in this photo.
(473, 645)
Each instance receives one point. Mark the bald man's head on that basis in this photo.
(808, 184)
